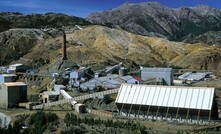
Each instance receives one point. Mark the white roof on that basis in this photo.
(194, 76)
(50, 93)
(166, 96)
(15, 65)
(15, 84)
(157, 69)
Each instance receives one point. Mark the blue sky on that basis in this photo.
(82, 8)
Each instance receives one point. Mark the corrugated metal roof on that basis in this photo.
(15, 84)
(167, 96)
(157, 69)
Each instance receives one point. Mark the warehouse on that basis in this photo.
(163, 76)
(176, 104)
(12, 93)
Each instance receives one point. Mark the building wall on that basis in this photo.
(167, 113)
(4, 79)
(3, 96)
(16, 94)
(10, 96)
(167, 76)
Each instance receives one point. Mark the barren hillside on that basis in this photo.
(101, 45)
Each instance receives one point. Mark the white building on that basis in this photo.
(12, 93)
(76, 77)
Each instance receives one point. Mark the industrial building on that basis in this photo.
(191, 105)
(7, 78)
(18, 68)
(12, 93)
(162, 75)
(49, 96)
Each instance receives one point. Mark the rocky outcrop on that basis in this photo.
(15, 43)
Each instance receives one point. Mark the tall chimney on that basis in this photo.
(64, 52)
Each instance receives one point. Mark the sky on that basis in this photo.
(82, 8)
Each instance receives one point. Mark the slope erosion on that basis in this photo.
(103, 46)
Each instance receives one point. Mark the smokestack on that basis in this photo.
(64, 52)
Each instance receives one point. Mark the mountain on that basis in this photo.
(211, 37)
(100, 46)
(17, 20)
(155, 19)
(15, 43)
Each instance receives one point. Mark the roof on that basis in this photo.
(15, 84)
(157, 69)
(138, 78)
(194, 76)
(15, 65)
(126, 78)
(50, 93)
(167, 96)
(8, 75)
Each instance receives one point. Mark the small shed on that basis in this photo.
(80, 108)
(12, 93)
(50, 96)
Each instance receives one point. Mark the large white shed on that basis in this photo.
(166, 102)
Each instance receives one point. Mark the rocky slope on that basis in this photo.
(211, 37)
(103, 46)
(15, 43)
(154, 19)
(17, 20)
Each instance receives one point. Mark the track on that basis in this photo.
(83, 97)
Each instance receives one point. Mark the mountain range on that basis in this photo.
(147, 34)
(155, 19)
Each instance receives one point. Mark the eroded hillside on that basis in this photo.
(101, 45)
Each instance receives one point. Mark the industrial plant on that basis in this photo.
(148, 94)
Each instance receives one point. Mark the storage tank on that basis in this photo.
(80, 108)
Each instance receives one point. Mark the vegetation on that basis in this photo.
(39, 121)
(71, 120)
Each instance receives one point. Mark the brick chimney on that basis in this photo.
(64, 52)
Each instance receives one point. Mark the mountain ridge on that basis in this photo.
(173, 23)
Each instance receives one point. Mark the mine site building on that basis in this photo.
(192, 105)
(7, 78)
(162, 75)
(18, 68)
(12, 93)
